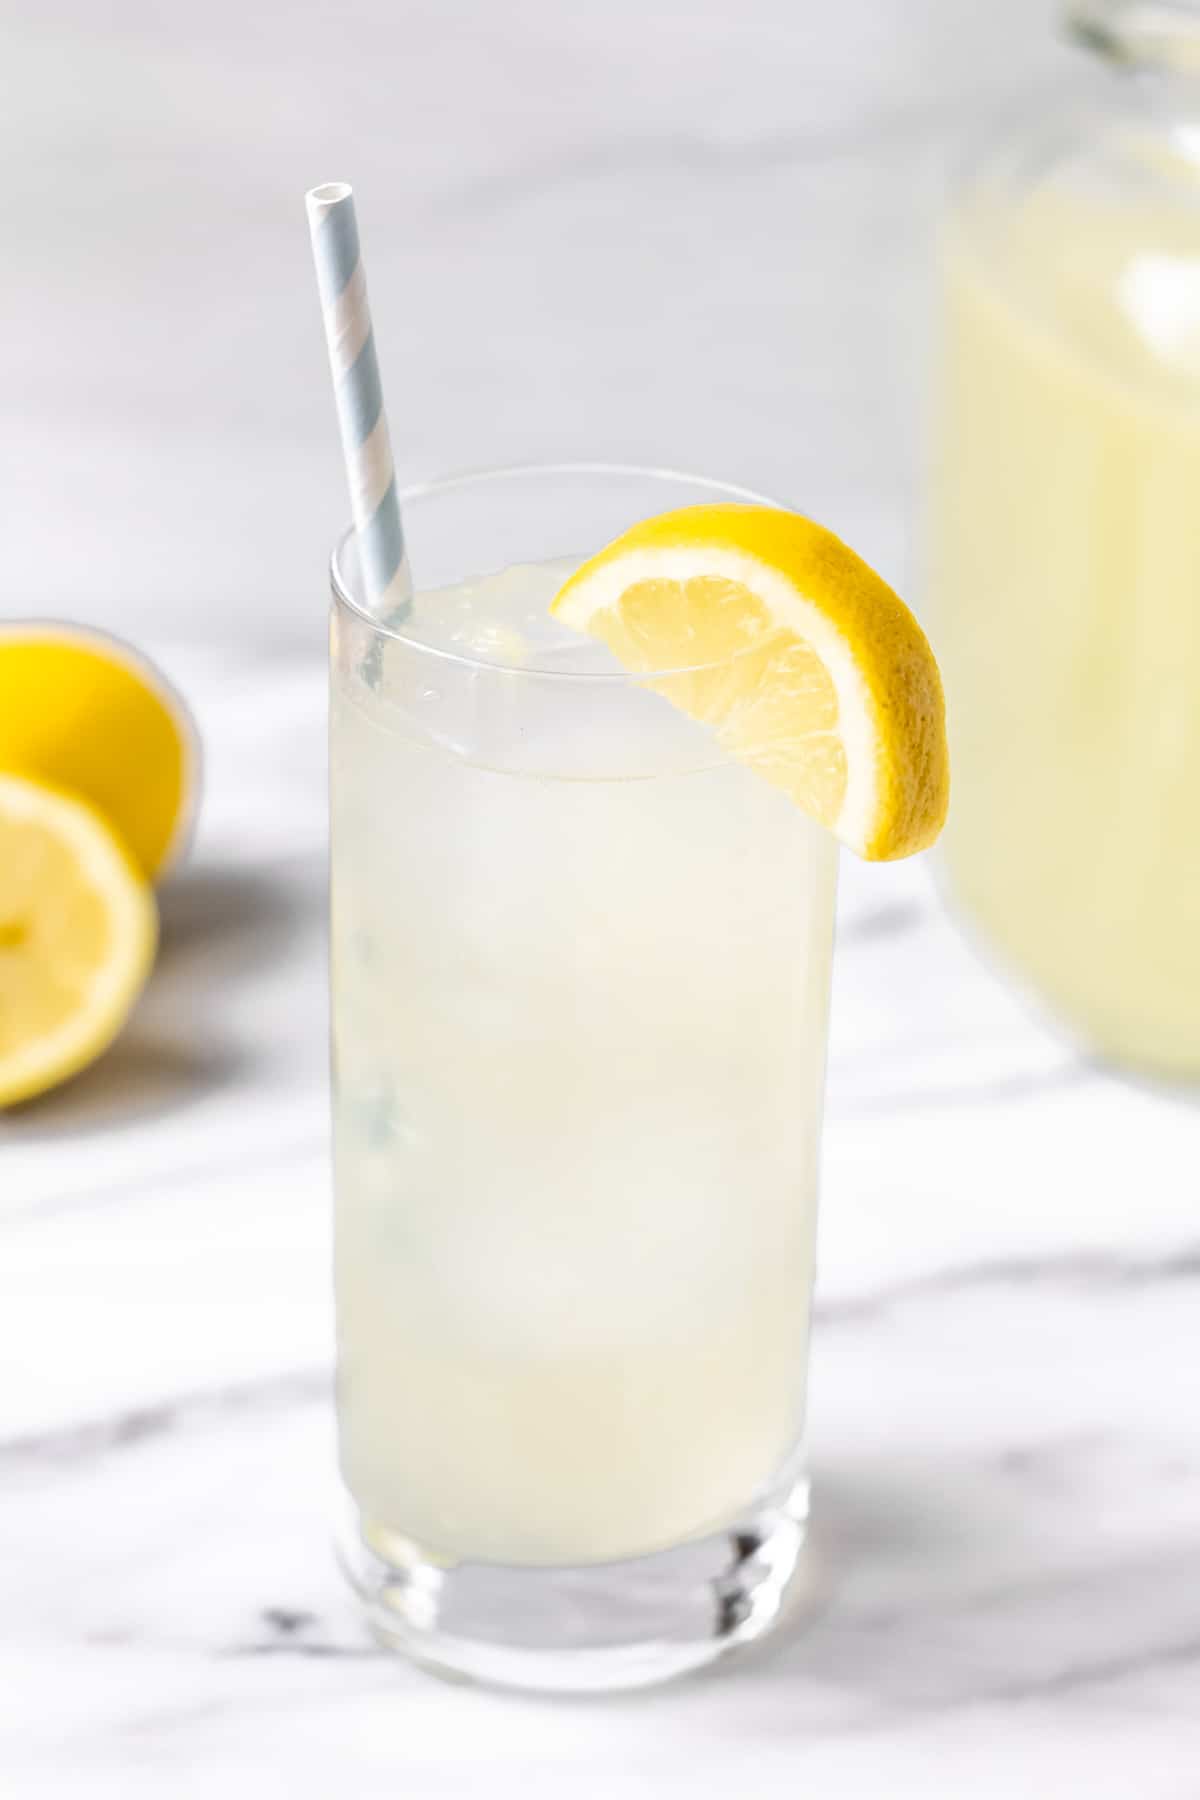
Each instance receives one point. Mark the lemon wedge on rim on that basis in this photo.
(805, 664)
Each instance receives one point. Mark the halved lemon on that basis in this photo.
(88, 715)
(78, 928)
(805, 664)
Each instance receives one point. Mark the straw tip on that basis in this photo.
(330, 193)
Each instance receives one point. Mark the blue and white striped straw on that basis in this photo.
(365, 443)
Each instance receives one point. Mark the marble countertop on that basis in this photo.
(1004, 1435)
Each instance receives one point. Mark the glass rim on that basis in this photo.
(467, 478)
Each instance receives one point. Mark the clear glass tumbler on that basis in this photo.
(580, 984)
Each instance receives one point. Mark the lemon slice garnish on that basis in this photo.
(804, 663)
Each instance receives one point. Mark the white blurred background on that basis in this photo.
(691, 232)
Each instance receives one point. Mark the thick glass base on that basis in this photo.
(596, 1628)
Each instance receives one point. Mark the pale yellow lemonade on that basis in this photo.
(1064, 586)
(579, 1044)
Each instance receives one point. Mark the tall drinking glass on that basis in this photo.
(580, 981)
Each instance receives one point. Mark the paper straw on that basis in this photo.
(366, 446)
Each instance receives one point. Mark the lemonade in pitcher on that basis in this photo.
(1063, 558)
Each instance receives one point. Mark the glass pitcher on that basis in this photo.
(1063, 549)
